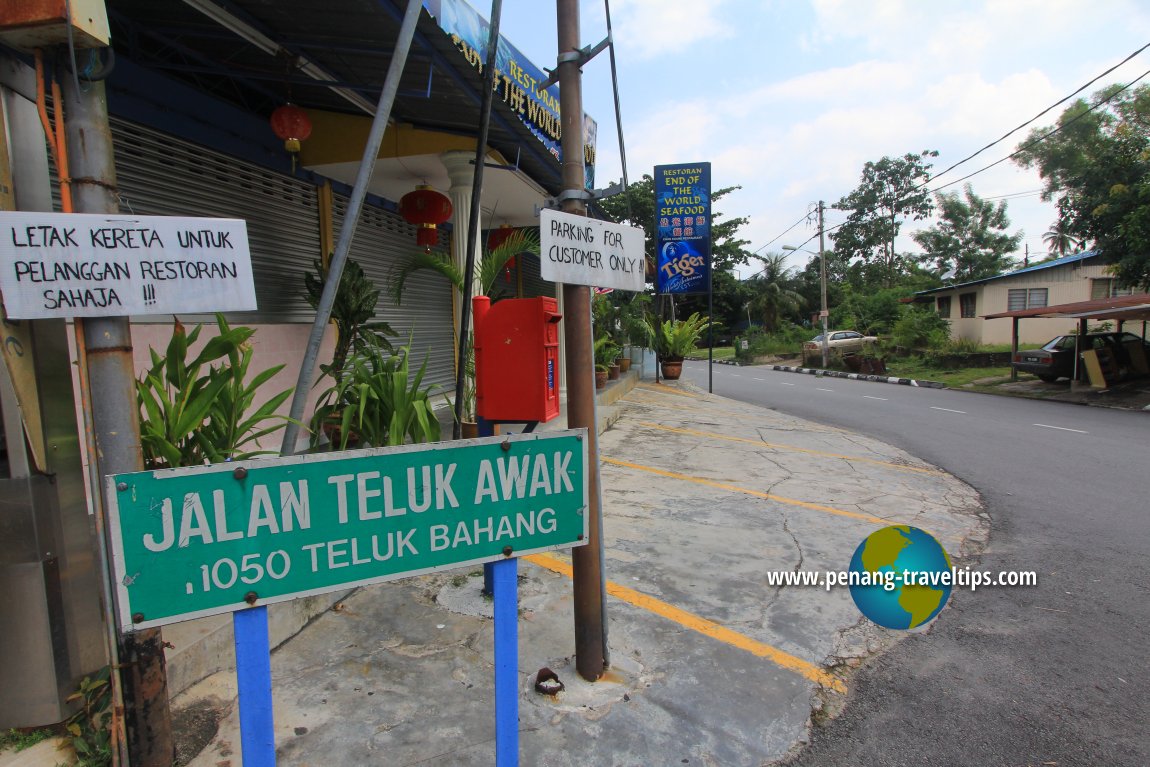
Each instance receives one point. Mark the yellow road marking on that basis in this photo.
(761, 443)
(746, 491)
(702, 625)
(667, 390)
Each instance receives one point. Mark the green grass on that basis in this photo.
(721, 353)
(18, 741)
(914, 367)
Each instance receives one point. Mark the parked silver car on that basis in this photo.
(839, 342)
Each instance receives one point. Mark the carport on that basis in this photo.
(1121, 309)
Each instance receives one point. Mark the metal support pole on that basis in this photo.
(504, 575)
(115, 417)
(711, 335)
(586, 562)
(254, 679)
(350, 220)
(1014, 348)
(823, 312)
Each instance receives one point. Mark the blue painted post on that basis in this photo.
(254, 677)
(505, 574)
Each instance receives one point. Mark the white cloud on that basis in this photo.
(666, 28)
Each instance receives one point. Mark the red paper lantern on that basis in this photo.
(427, 209)
(292, 125)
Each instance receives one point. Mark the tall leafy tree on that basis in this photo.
(774, 294)
(891, 191)
(970, 237)
(636, 206)
(1059, 241)
(1097, 169)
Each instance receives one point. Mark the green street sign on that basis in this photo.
(213, 539)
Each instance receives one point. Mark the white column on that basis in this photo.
(461, 171)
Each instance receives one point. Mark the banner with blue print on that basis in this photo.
(683, 226)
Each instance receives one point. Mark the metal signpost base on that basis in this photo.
(254, 679)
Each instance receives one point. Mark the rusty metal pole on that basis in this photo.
(115, 417)
(586, 561)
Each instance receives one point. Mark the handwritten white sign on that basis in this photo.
(86, 265)
(585, 251)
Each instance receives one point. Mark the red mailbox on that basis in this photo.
(516, 359)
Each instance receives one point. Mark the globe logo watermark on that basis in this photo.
(901, 577)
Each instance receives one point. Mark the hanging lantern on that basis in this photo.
(427, 209)
(292, 125)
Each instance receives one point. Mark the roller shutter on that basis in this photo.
(164, 176)
(382, 242)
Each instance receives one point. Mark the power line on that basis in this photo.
(1048, 134)
(783, 234)
(1040, 114)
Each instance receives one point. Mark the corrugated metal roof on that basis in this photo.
(1071, 259)
(1136, 307)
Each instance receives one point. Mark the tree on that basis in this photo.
(773, 292)
(1097, 169)
(1059, 241)
(970, 237)
(636, 206)
(892, 190)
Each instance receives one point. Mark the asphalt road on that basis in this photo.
(1055, 674)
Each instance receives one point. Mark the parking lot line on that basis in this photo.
(703, 626)
(777, 446)
(747, 491)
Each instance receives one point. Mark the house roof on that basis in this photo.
(1071, 259)
(1136, 307)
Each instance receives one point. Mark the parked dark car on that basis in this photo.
(1056, 358)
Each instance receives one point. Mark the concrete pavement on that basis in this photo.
(709, 665)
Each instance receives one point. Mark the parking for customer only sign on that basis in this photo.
(214, 539)
(584, 251)
(91, 265)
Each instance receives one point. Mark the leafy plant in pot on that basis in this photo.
(605, 351)
(377, 402)
(675, 339)
(490, 267)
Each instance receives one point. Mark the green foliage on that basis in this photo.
(970, 237)
(891, 189)
(675, 339)
(377, 402)
(633, 311)
(1097, 169)
(919, 328)
(18, 741)
(490, 266)
(352, 311)
(197, 411)
(773, 293)
(90, 727)
(636, 206)
(605, 351)
(870, 313)
(787, 339)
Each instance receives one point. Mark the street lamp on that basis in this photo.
(823, 313)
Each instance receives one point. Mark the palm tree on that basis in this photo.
(488, 271)
(773, 293)
(1059, 241)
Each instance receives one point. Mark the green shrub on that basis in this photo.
(788, 339)
(920, 328)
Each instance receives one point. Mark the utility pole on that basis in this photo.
(823, 287)
(115, 417)
(586, 562)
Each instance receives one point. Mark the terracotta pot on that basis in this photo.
(468, 430)
(624, 364)
(672, 368)
(600, 379)
(613, 372)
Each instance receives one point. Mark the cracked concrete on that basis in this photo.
(401, 673)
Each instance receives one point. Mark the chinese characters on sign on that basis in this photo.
(683, 226)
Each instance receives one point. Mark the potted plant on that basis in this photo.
(605, 351)
(487, 273)
(673, 340)
(376, 402)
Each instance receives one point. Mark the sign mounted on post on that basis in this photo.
(214, 539)
(89, 265)
(683, 223)
(577, 250)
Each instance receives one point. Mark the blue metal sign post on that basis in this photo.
(254, 680)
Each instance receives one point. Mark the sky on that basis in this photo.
(788, 99)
